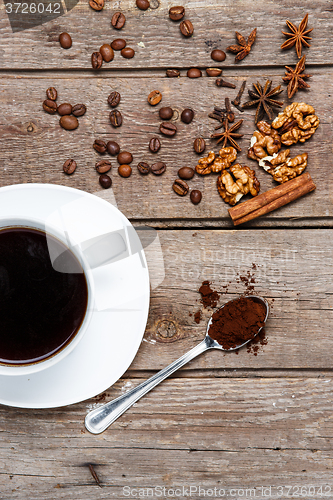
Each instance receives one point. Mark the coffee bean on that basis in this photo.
(118, 20)
(199, 145)
(143, 168)
(79, 109)
(186, 173)
(154, 144)
(167, 128)
(113, 148)
(186, 28)
(103, 166)
(69, 167)
(142, 4)
(194, 73)
(105, 181)
(50, 106)
(124, 158)
(96, 60)
(180, 187)
(65, 40)
(124, 170)
(69, 122)
(116, 118)
(118, 44)
(64, 109)
(154, 97)
(166, 113)
(127, 52)
(96, 4)
(213, 72)
(176, 13)
(99, 146)
(218, 55)
(195, 196)
(114, 99)
(158, 168)
(172, 73)
(187, 115)
(51, 93)
(107, 52)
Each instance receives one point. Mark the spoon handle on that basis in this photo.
(99, 419)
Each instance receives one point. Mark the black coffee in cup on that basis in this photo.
(42, 306)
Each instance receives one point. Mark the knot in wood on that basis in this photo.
(31, 127)
(154, 4)
(166, 331)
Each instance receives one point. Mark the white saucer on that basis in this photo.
(118, 321)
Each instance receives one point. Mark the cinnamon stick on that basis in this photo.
(272, 199)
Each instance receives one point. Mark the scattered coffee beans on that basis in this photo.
(176, 13)
(186, 173)
(186, 28)
(180, 187)
(124, 170)
(114, 99)
(124, 158)
(107, 52)
(199, 145)
(65, 40)
(69, 167)
(142, 4)
(158, 168)
(118, 44)
(154, 97)
(99, 146)
(143, 168)
(187, 115)
(195, 196)
(128, 53)
(69, 122)
(103, 166)
(51, 94)
(79, 109)
(118, 20)
(172, 73)
(64, 109)
(213, 72)
(154, 144)
(116, 118)
(166, 113)
(50, 106)
(168, 129)
(113, 148)
(218, 55)
(96, 60)
(105, 181)
(194, 73)
(96, 4)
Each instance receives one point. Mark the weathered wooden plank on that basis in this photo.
(157, 40)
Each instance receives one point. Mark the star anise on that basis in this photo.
(263, 98)
(229, 134)
(298, 36)
(244, 47)
(295, 77)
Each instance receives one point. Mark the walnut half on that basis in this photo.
(265, 141)
(240, 181)
(214, 163)
(283, 168)
(297, 122)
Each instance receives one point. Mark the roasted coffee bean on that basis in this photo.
(217, 55)
(118, 20)
(186, 173)
(96, 4)
(118, 44)
(172, 73)
(176, 13)
(180, 187)
(187, 115)
(154, 97)
(195, 196)
(64, 109)
(99, 146)
(79, 109)
(142, 4)
(166, 113)
(69, 167)
(103, 166)
(65, 40)
(69, 122)
(50, 106)
(213, 72)
(158, 168)
(113, 148)
(124, 158)
(105, 181)
(186, 28)
(114, 99)
(107, 52)
(96, 60)
(199, 145)
(127, 52)
(154, 144)
(167, 128)
(143, 168)
(124, 170)
(52, 94)
(116, 118)
(194, 73)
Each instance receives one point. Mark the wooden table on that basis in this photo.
(233, 422)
